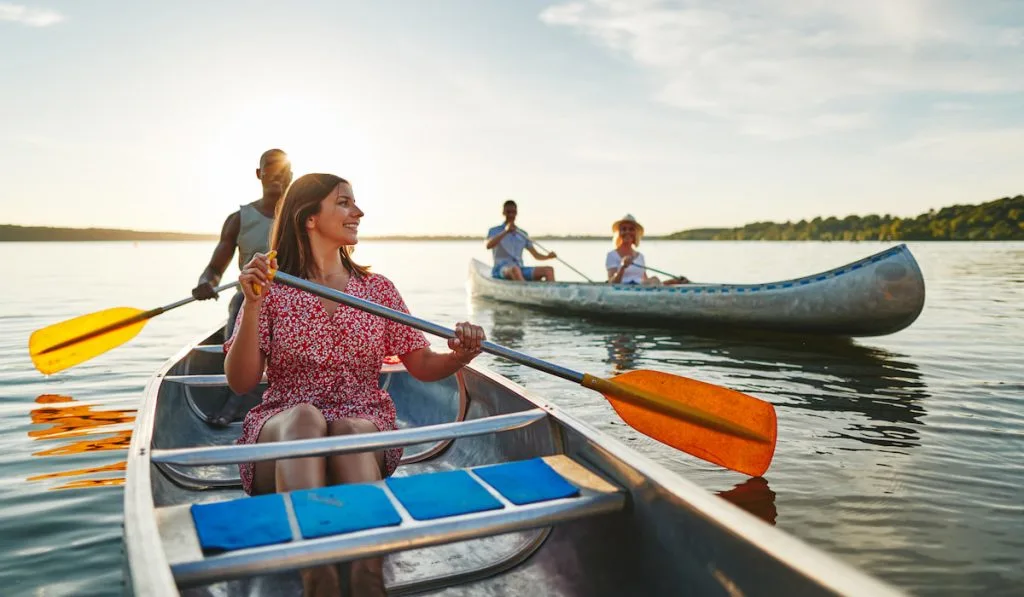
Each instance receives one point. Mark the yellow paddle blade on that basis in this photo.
(716, 424)
(71, 342)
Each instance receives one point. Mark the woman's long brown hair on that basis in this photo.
(289, 236)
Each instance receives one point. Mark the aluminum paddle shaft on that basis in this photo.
(424, 325)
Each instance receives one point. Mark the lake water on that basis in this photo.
(902, 455)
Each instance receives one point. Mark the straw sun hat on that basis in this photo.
(628, 218)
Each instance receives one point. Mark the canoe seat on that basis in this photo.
(219, 541)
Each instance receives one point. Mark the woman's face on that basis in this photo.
(339, 216)
(627, 232)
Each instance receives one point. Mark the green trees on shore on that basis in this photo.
(1002, 219)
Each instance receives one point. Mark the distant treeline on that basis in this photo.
(1002, 219)
(12, 233)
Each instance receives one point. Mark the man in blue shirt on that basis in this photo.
(507, 242)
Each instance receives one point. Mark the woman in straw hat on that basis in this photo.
(624, 263)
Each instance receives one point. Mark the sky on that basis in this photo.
(686, 114)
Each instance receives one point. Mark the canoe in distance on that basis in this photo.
(880, 294)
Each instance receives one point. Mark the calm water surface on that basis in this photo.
(901, 455)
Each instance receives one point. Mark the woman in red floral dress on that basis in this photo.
(323, 359)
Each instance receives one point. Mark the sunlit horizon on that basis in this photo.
(691, 116)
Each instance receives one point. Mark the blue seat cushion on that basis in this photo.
(342, 509)
(438, 495)
(527, 481)
(246, 522)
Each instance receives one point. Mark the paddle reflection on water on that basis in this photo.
(622, 352)
(833, 375)
(755, 496)
(100, 430)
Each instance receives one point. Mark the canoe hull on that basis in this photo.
(671, 538)
(880, 294)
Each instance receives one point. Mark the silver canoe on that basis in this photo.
(877, 295)
(635, 529)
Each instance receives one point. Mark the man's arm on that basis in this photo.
(220, 259)
(494, 240)
(537, 255)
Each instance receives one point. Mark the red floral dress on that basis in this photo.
(330, 361)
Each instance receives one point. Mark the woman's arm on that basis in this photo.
(244, 364)
(426, 365)
(616, 274)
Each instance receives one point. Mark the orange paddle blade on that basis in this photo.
(716, 424)
(71, 342)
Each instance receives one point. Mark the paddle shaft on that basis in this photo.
(543, 248)
(643, 398)
(658, 271)
(424, 325)
(129, 321)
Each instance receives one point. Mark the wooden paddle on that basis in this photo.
(716, 424)
(68, 343)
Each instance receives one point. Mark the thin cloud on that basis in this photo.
(787, 68)
(960, 147)
(31, 17)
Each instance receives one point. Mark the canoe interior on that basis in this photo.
(877, 295)
(671, 536)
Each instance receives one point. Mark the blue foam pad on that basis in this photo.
(527, 481)
(246, 522)
(342, 509)
(437, 495)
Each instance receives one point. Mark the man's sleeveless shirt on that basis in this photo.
(253, 233)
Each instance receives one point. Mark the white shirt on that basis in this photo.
(634, 274)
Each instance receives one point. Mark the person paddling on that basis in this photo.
(507, 241)
(624, 263)
(248, 230)
(323, 360)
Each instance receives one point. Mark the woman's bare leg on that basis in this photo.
(364, 467)
(303, 421)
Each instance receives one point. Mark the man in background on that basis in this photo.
(248, 230)
(507, 241)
